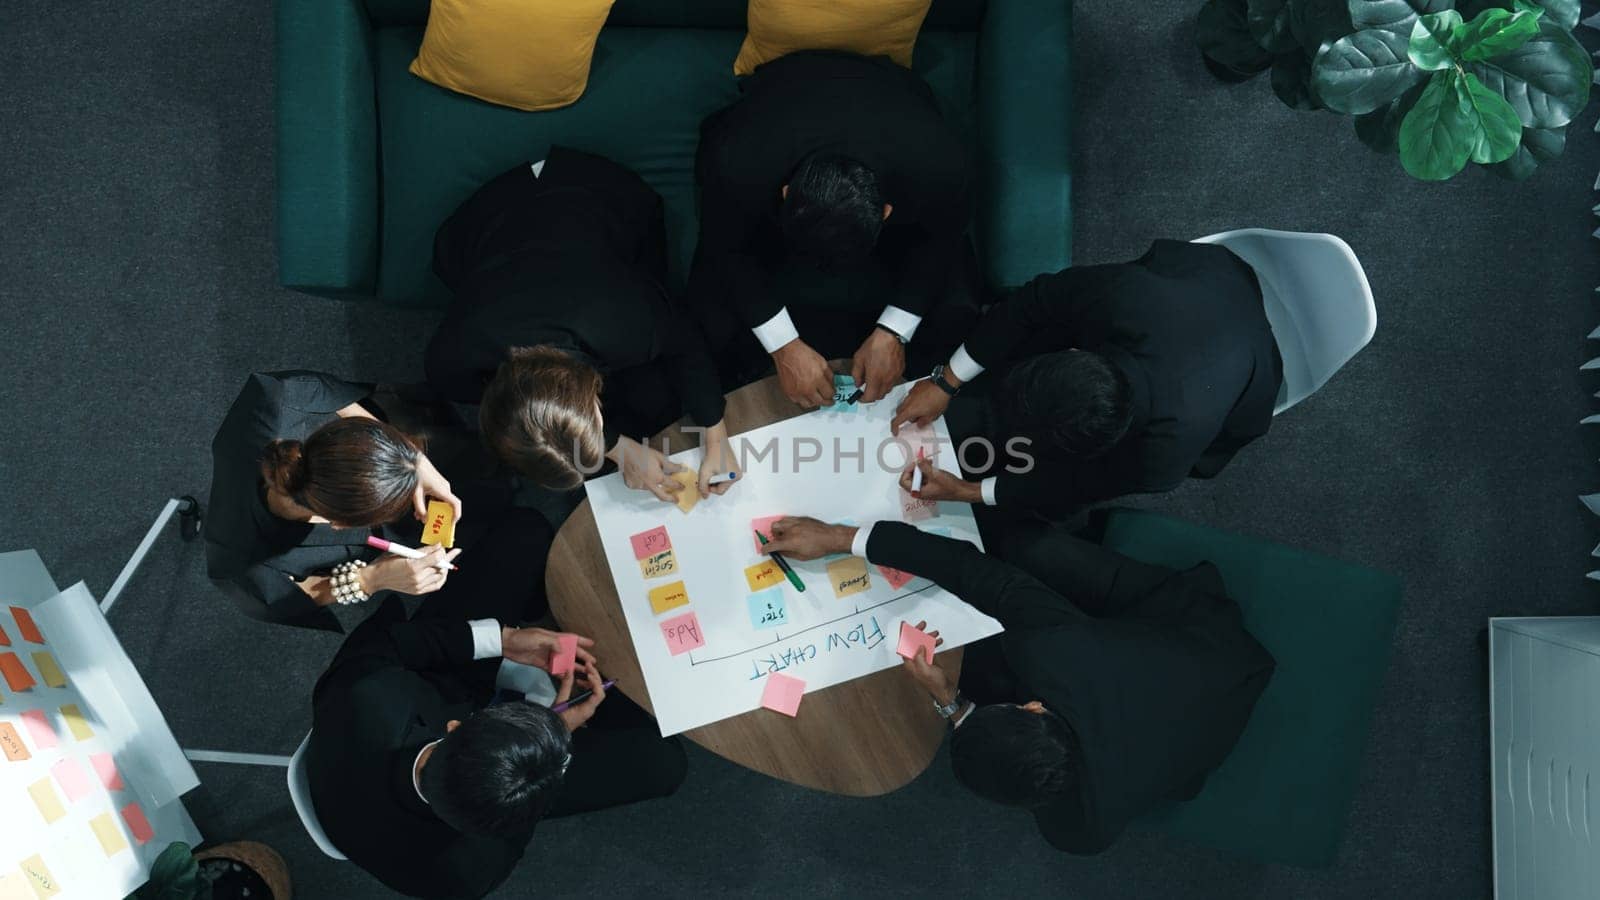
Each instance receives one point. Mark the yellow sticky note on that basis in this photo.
(663, 563)
(690, 495)
(38, 875)
(110, 836)
(44, 797)
(76, 723)
(668, 596)
(48, 670)
(440, 524)
(14, 886)
(848, 576)
(763, 574)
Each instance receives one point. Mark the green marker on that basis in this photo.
(783, 564)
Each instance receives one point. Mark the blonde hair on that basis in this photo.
(541, 416)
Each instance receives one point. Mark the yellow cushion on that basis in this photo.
(869, 27)
(527, 54)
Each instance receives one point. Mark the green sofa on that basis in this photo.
(370, 158)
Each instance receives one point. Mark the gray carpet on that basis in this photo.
(137, 289)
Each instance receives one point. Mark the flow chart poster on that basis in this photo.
(711, 616)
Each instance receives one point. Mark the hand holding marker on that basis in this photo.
(378, 543)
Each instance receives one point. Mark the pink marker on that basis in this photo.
(378, 543)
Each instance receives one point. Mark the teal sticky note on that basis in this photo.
(767, 609)
(843, 387)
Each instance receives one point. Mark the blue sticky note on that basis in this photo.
(843, 387)
(767, 609)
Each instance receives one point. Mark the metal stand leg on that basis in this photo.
(237, 759)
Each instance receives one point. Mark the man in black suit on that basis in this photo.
(834, 205)
(1124, 378)
(1114, 690)
(436, 793)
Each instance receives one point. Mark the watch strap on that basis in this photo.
(937, 377)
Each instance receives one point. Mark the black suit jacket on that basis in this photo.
(1157, 685)
(1185, 323)
(869, 109)
(391, 690)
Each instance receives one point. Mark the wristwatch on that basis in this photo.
(947, 711)
(938, 378)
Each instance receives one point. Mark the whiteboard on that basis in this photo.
(835, 466)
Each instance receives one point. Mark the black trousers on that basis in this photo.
(619, 757)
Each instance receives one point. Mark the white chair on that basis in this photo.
(300, 794)
(1317, 300)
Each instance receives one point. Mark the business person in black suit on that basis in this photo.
(1114, 690)
(1126, 378)
(833, 210)
(561, 335)
(420, 781)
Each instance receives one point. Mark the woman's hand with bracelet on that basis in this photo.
(409, 576)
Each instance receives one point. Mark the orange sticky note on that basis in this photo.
(14, 886)
(25, 626)
(913, 641)
(690, 495)
(137, 823)
(38, 875)
(668, 596)
(11, 743)
(657, 565)
(782, 693)
(110, 836)
(566, 655)
(763, 574)
(106, 769)
(76, 723)
(15, 673)
(439, 525)
(849, 576)
(44, 797)
(48, 670)
(5, 641)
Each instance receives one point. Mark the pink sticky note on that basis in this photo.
(683, 633)
(73, 780)
(566, 655)
(921, 442)
(649, 543)
(896, 578)
(38, 726)
(782, 693)
(913, 641)
(106, 768)
(763, 525)
(915, 509)
(137, 823)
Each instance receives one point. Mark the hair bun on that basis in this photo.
(284, 467)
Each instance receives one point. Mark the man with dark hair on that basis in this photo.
(834, 205)
(1116, 688)
(419, 780)
(1124, 378)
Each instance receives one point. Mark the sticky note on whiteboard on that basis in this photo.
(110, 836)
(138, 825)
(658, 565)
(44, 797)
(668, 596)
(896, 578)
(683, 633)
(15, 673)
(48, 670)
(14, 887)
(11, 743)
(763, 574)
(649, 543)
(44, 736)
(73, 780)
(782, 693)
(105, 768)
(767, 609)
(762, 526)
(25, 625)
(38, 874)
(76, 723)
(439, 525)
(849, 576)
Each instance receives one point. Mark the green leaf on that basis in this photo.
(1432, 146)
(1546, 80)
(1392, 15)
(1562, 12)
(1291, 80)
(1360, 72)
(1493, 32)
(1380, 129)
(1224, 37)
(173, 876)
(1318, 22)
(1539, 145)
(1498, 130)
(1269, 23)
(1429, 47)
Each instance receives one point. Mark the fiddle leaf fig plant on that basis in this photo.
(1494, 82)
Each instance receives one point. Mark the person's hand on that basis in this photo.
(937, 484)
(719, 460)
(920, 406)
(575, 717)
(410, 576)
(534, 647)
(805, 538)
(878, 365)
(804, 374)
(645, 468)
(431, 484)
(933, 679)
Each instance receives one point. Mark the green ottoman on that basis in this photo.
(1285, 791)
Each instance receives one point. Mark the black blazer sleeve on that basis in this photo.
(1149, 462)
(385, 640)
(735, 224)
(688, 363)
(1042, 313)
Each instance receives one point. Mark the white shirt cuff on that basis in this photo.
(858, 546)
(899, 321)
(485, 638)
(776, 331)
(987, 486)
(963, 366)
(538, 168)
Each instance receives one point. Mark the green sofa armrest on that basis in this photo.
(1025, 139)
(327, 146)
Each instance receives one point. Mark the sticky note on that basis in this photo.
(914, 640)
(921, 442)
(5, 640)
(25, 626)
(896, 578)
(44, 797)
(916, 509)
(106, 769)
(38, 875)
(690, 495)
(763, 574)
(764, 526)
(668, 596)
(663, 563)
(15, 673)
(73, 780)
(11, 743)
(649, 543)
(14, 886)
(682, 633)
(76, 722)
(843, 387)
(767, 609)
(48, 670)
(110, 836)
(848, 576)
(138, 825)
(44, 737)
(566, 655)
(782, 693)
(439, 525)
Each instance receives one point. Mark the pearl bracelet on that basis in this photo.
(347, 583)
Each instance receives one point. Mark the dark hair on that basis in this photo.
(1075, 401)
(354, 471)
(833, 212)
(540, 416)
(1014, 757)
(499, 770)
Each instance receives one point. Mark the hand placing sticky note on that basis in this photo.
(138, 825)
(44, 797)
(25, 626)
(762, 526)
(105, 768)
(682, 633)
(668, 596)
(76, 723)
(649, 543)
(73, 780)
(661, 564)
(566, 656)
(914, 640)
(896, 578)
(782, 693)
(44, 736)
(110, 836)
(15, 673)
(11, 743)
(849, 576)
(763, 575)
(690, 495)
(48, 670)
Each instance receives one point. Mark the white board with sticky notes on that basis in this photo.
(711, 616)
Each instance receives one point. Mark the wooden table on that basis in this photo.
(862, 738)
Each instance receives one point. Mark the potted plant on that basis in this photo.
(1494, 82)
(233, 871)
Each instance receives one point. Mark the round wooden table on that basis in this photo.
(862, 738)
